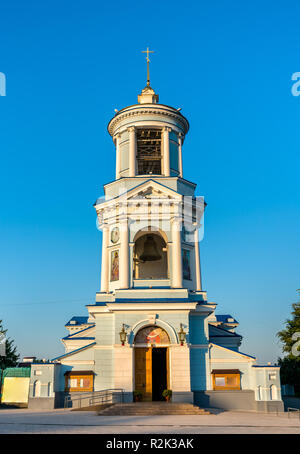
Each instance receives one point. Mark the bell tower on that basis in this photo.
(151, 332)
(149, 216)
(150, 273)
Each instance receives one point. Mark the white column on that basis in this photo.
(118, 156)
(197, 261)
(131, 246)
(176, 254)
(105, 260)
(166, 151)
(180, 154)
(132, 151)
(124, 255)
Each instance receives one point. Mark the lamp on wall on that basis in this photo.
(123, 335)
(182, 335)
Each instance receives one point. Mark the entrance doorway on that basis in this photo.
(151, 362)
(159, 372)
(151, 372)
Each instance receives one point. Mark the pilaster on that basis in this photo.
(105, 259)
(180, 155)
(132, 151)
(176, 253)
(118, 156)
(166, 151)
(197, 261)
(124, 254)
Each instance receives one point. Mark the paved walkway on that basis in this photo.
(68, 422)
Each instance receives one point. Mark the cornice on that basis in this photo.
(138, 111)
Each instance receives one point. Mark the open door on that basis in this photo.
(143, 372)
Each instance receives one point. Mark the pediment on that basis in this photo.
(150, 193)
(149, 190)
(153, 190)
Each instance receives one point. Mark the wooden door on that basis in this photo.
(143, 372)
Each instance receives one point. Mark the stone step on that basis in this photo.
(152, 408)
(156, 405)
(149, 413)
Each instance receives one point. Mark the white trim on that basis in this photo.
(77, 361)
(160, 324)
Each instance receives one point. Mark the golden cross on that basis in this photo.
(148, 61)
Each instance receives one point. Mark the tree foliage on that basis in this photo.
(292, 328)
(11, 356)
(290, 337)
(290, 372)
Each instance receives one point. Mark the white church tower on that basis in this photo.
(150, 274)
(151, 327)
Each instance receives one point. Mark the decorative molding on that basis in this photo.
(146, 111)
(152, 318)
(70, 362)
(160, 323)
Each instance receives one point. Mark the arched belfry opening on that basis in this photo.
(150, 259)
(149, 154)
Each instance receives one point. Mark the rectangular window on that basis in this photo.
(149, 151)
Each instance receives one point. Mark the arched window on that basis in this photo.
(49, 389)
(37, 389)
(149, 152)
(273, 392)
(259, 392)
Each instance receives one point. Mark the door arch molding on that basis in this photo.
(160, 324)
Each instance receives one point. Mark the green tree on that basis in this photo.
(11, 356)
(290, 338)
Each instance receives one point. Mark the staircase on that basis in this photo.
(152, 408)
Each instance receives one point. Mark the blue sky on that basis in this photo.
(68, 65)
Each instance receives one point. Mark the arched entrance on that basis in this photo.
(151, 362)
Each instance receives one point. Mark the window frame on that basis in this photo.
(226, 375)
(78, 377)
(141, 157)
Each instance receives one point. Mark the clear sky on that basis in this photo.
(68, 65)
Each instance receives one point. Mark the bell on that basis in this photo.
(150, 253)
